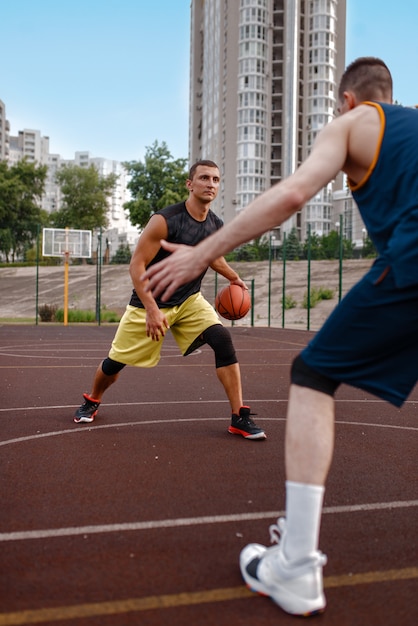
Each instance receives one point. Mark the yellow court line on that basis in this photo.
(150, 603)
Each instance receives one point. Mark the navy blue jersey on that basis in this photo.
(388, 196)
(370, 340)
(182, 228)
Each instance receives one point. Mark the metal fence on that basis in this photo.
(289, 294)
(279, 290)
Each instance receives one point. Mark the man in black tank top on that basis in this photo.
(191, 319)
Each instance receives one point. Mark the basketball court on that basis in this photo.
(139, 517)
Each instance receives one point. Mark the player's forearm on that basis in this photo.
(145, 296)
(223, 268)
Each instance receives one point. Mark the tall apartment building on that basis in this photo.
(4, 133)
(263, 82)
(31, 145)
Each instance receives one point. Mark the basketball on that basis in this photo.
(232, 302)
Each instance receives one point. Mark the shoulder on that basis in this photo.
(172, 210)
(215, 219)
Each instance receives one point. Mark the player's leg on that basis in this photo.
(229, 374)
(230, 378)
(130, 346)
(291, 572)
(226, 363)
(359, 345)
(106, 374)
(196, 323)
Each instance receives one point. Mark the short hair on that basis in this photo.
(369, 78)
(204, 162)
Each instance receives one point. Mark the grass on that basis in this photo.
(82, 316)
(316, 295)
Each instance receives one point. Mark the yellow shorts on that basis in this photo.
(187, 322)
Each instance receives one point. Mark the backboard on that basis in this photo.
(59, 241)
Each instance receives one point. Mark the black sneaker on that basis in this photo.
(87, 411)
(242, 424)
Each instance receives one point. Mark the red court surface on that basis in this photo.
(139, 518)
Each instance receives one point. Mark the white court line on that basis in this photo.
(58, 353)
(139, 404)
(165, 402)
(190, 521)
(86, 428)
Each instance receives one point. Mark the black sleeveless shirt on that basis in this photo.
(182, 228)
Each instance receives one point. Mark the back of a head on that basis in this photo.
(369, 78)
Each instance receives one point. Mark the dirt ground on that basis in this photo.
(23, 288)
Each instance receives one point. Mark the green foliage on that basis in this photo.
(85, 197)
(369, 250)
(328, 247)
(155, 184)
(316, 295)
(289, 302)
(257, 250)
(292, 247)
(122, 256)
(82, 316)
(21, 188)
(317, 251)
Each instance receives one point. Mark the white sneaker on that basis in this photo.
(296, 587)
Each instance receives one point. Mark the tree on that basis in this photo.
(21, 189)
(123, 254)
(331, 245)
(316, 248)
(85, 197)
(256, 250)
(292, 246)
(369, 249)
(154, 184)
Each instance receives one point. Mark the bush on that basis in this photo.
(51, 313)
(47, 312)
(289, 302)
(76, 315)
(316, 295)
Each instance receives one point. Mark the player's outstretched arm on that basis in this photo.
(266, 212)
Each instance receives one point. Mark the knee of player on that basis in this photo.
(220, 340)
(303, 375)
(111, 367)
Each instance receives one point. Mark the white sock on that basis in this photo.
(303, 519)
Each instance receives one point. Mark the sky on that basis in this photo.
(111, 77)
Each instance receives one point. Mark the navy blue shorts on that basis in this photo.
(370, 341)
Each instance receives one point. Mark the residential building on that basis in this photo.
(4, 133)
(29, 144)
(263, 82)
(120, 230)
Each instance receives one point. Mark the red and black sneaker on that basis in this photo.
(87, 411)
(243, 425)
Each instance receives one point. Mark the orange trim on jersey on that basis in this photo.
(365, 178)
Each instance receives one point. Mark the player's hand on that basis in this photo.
(240, 283)
(170, 273)
(156, 324)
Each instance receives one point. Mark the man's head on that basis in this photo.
(203, 181)
(366, 78)
(204, 162)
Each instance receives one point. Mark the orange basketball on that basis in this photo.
(233, 302)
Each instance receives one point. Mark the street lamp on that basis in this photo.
(364, 232)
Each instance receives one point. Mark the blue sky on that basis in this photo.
(111, 77)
